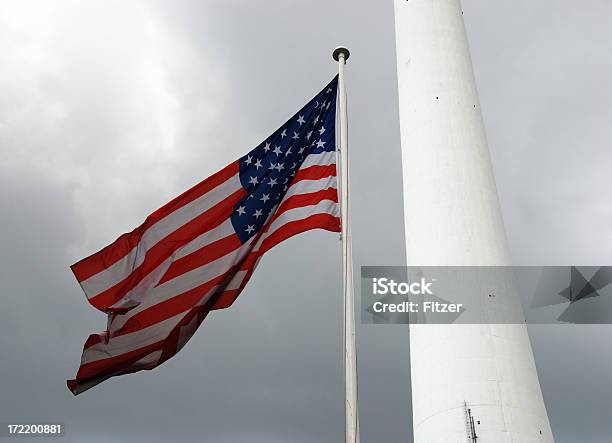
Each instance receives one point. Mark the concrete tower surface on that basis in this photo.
(453, 218)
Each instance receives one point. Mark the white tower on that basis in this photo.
(453, 217)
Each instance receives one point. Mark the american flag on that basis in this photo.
(197, 253)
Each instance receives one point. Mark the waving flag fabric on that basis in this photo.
(197, 253)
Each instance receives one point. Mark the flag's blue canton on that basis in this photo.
(267, 171)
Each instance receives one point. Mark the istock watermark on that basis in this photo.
(384, 286)
(492, 294)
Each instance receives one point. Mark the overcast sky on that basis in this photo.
(109, 109)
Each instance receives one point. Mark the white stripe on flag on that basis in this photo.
(322, 159)
(309, 186)
(323, 207)
(223, 230)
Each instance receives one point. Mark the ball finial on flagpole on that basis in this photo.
(341, 50)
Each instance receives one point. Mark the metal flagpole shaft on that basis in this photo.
(351, 411)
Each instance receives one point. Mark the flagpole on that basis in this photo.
(351, 412)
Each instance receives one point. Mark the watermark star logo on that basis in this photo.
(385, 286)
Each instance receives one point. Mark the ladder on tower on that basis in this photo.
(469, 422)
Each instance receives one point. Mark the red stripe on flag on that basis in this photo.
(227, 298)
(201, 257)
(314, 173)
(322, 221)
(112, 364)
(311, 198)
